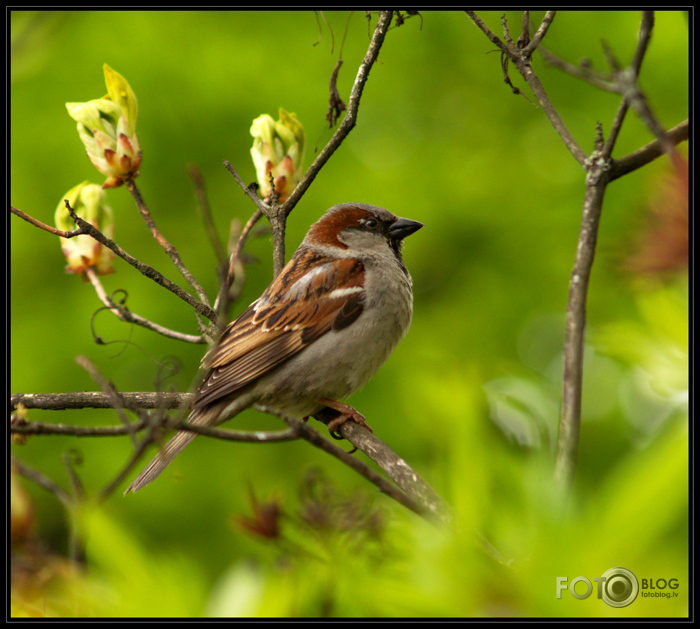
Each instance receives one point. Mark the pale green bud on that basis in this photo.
(107, 127)
(278, 148)
(83, 252)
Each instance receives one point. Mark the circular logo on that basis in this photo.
(620, 587)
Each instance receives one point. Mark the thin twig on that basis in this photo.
(200, 194)
(539, 34)
(538, 89)
(235, 266)
(350, 119)
(71, 459)
(278, 217)
(69, 430)
(601, 80)
(43, 481)
(644, 38)
(45, 227)
(153, 425)
(250, 191)
(521, 59)
(650, 152)
(506, 32)
(145, 269)
(123, 313)
(163, 242)
(524, 38)
(116, 400)
(493, 38)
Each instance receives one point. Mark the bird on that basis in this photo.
(317, 334)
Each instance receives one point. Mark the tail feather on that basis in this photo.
(205, 416)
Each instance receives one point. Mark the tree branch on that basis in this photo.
(123, 313)
(145, 269)
(601, 170)
(235, 266)
(650, 152)
(277, 215)
(572, 386)
(415, 493)
(163, 242)
(521, 59)
(350, 119)
(205, 212)
(45, 227)
(307, 433)
(398, 469)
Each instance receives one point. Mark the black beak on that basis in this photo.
(403, 227)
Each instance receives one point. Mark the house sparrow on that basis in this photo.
(317, 334)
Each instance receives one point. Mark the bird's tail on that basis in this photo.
(204, 416)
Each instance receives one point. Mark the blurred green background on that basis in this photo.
(470, 399)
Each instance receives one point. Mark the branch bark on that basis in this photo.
(412, 491)
(278, 214)
(601, 169)
(145, 269)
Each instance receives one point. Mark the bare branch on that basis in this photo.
(623, 82)
(521, 59)
(43, 481)
(601, 170)
(131, 401)
(538, 89)
(86, 228)
(350, 119)
(235, 266)
(494, 39)
(47, 428)
(45, 227)
(115, 399)
(277, 215)
(93, 399)
(601, 80)
(145, 269)
(524, 38)
(419, 497)
(650, 152)
(539, 35)
(570, 413)
(200, 194)
(397, 469)
(123, 313)
(163, 242)
(644, 38)
(250, 191)
(307, 433)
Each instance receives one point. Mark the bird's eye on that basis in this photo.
(370, 223)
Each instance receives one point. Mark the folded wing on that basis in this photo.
(312, 296)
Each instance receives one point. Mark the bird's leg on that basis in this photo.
(338, 413)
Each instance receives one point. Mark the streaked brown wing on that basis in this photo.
(293, 312)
